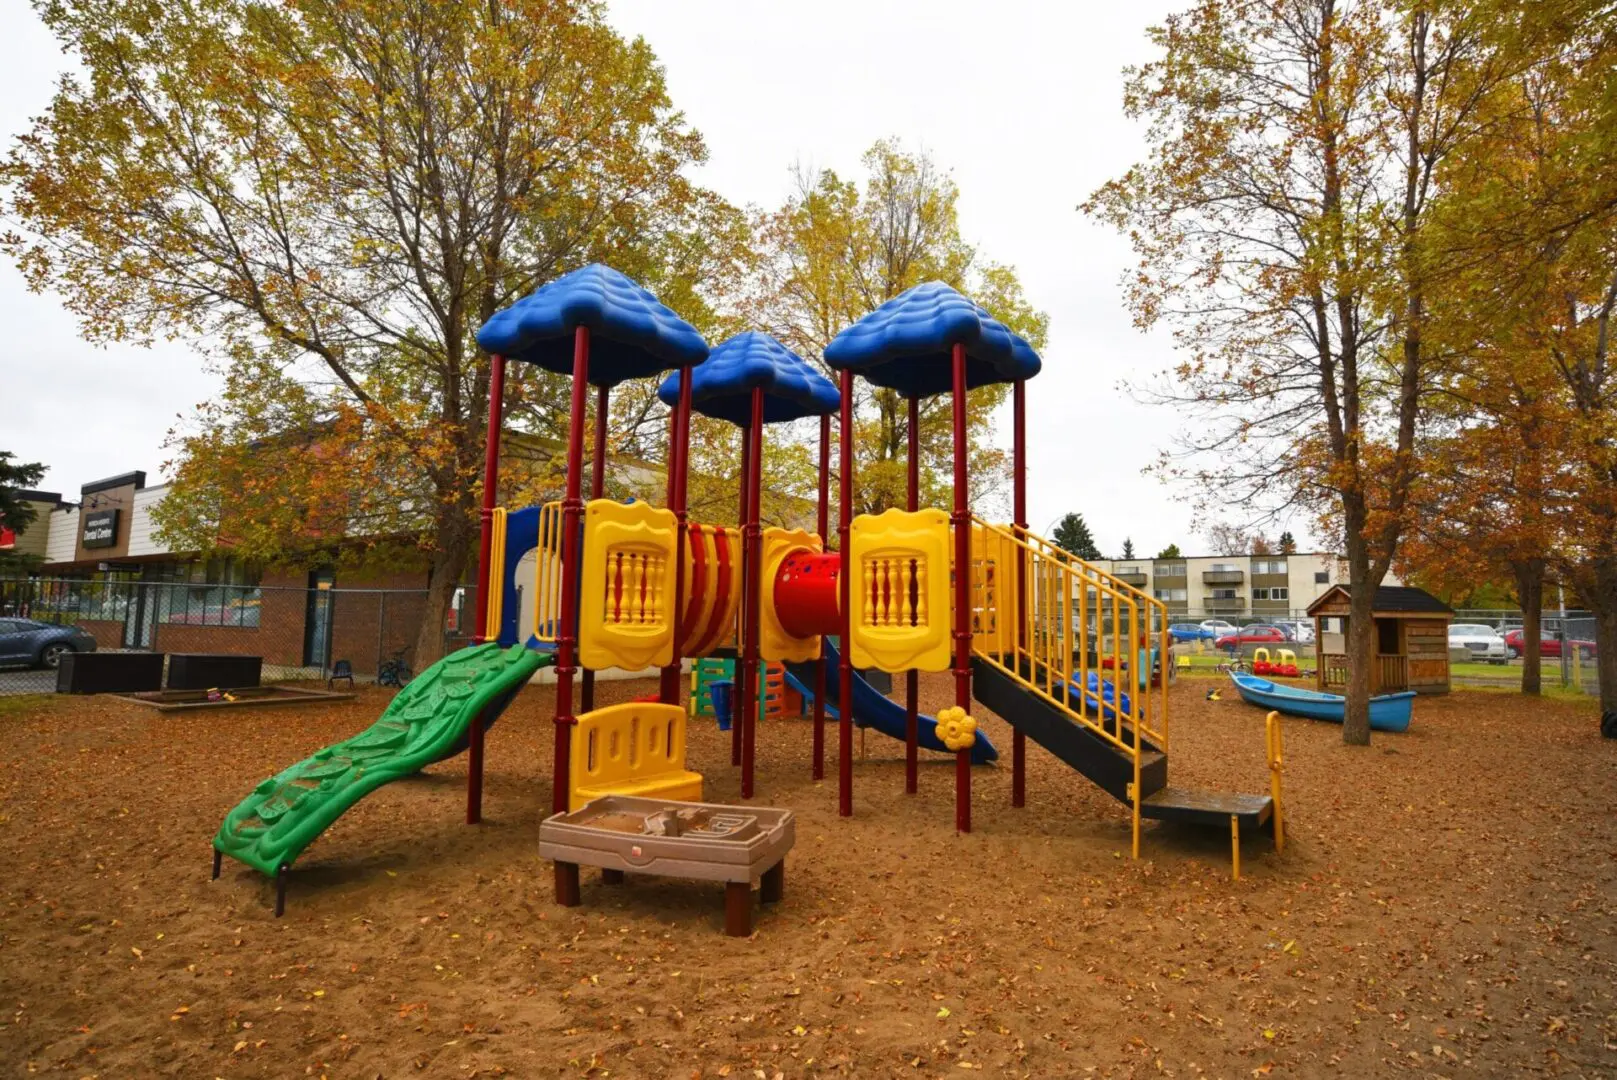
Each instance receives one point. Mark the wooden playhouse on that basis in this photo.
(1411, 640)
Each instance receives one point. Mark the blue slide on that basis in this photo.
(874, 709)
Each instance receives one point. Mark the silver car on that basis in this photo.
(1483, 642)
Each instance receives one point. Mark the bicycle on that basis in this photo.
(395, 671)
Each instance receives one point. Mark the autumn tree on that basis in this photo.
(1288, 543)
(1528, 467)
(1072, 534)
(836, 251)
(1226, 538)
(1281, 225)
(330, 198)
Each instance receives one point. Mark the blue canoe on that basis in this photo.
(1388, 712)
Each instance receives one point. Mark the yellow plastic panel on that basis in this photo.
(993, 591)
(494, 587)
(625, 617)
(774, 643)
(633, 749)
(900, 590)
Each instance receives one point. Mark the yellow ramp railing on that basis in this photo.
(1078, 630)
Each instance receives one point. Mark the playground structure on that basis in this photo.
(1066, 654)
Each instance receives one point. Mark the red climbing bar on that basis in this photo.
(572, 512)
(603, 397)
(491, 485)
(752, 571)
(741, 693)
(679, 441)
(1019, 526)
(822, 526)
(962, 590)
(845, 667)
(912, 678)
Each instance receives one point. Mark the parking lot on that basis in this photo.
(27, 681)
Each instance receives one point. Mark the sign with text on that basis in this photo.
(100, 529)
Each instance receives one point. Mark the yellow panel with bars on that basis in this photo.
(900, 617)
(994, 560)
(774, 643)
(547, 575)
(494, 587)
(625, 617)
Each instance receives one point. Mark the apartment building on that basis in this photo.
(1239, 588)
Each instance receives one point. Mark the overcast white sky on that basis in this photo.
(1023, 104)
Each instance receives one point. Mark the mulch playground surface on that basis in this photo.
(1446, 906)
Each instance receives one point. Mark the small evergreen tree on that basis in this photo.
(1288, 543)
(15, 514)
(1128, 548)
(1073, 535)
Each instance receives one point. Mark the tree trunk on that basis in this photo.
(1530, 596)
(1604, 603)
(1361, 645)
(443, 578)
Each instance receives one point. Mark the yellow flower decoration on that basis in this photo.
(957, 729)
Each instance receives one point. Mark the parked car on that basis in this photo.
(1189, 632)
(1299, 630)
(1256, 634)
(37, 644)
(1217, 628)
(1549, 646)
(1483, 642)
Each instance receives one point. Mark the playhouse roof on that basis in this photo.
(906, 344)
(632, 333)
(1393, 600)
(722, 387)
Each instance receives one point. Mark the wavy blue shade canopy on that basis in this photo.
(722, 387)
(632, 333)
(906, 344)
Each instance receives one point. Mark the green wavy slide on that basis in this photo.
(428, 721)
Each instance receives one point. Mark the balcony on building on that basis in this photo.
(1223, 575)
(1171, 569)
(1224, 605)
(1130, 574)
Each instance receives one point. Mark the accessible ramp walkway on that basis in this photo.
(426, 722)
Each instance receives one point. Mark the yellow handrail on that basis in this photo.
(547, 574)
(1076, 621)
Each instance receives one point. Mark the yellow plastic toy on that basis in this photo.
(633, 749)
(900, 615)
(957, 729)
(495, 585)
(774, 643)
(624, 618)
(993, 591)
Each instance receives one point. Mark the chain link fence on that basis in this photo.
(301, 634)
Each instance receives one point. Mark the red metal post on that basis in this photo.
(962, 591)
(912, 678)
(752, 569)
(679, 441)
(603, 396)
(572, 513)
(491, 485)
(822, 526)
(1019, 522)
(741, 693)
(845, 668)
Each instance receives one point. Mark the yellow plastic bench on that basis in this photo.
(635, 749)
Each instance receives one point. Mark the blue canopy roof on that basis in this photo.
(632, 334)
(722, 387)
(906, 344)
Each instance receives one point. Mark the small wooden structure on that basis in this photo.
(1411, 640)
